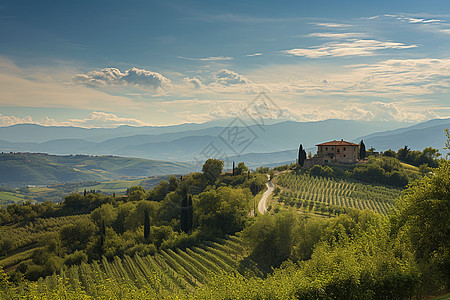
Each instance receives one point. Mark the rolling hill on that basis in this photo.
(18, 169)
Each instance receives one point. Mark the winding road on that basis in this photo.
(262, 205)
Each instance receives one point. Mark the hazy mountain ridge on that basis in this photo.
(274, 144)
(188, 142)
(417, 137)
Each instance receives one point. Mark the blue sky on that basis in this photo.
(110, 63)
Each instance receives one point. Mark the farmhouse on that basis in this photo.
(337, 152)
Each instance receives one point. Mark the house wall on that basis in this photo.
(338, 153)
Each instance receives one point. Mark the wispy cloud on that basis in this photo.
(333, 25)
(347, 48)
(211, 58)
(102, 119)
(407, 18)
(330, 35)
(255, 54)
(95, 119)
(419, 20)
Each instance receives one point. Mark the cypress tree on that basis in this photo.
(301, 155)
(84, 193)
(102, 236)
(190, 214)
(184, 214)
(233, 168)
(300, 149)
(362, 150)
(146, 224)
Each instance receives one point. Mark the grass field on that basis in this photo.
(7, 198)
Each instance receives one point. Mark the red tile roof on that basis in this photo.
(337, 143)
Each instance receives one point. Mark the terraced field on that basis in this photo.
(320, 194)
(167, 273)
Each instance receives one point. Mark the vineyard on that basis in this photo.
(168, 273)
(328, 195)
(22, 239)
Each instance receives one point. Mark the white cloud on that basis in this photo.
(193, 82)
(102, 119)
(407, 76)
(47, 87)
(344, 35)
(114, 77)
(95, 119)
(419, 20)
(374, 111)
(412, 19)
(12, 120)
(333, 25)
(347, 48)
(255, 54)
(447, 31)
(211, 58)
(228, 77)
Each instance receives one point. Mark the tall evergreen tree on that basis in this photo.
(146, 224)
(233, 168)
(300, 149)
(102, 236)
(301, 155)
(184, 213)
(362, 150)
(190, 214)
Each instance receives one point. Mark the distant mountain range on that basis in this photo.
(416, 137)
(256, 145)
(182, 142)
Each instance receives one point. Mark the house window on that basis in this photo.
(344, 155)
(332, 148)
(326, 148)
(338, 150)
(344, 148)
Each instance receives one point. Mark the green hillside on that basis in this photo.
(195, 237)
(19, 169)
